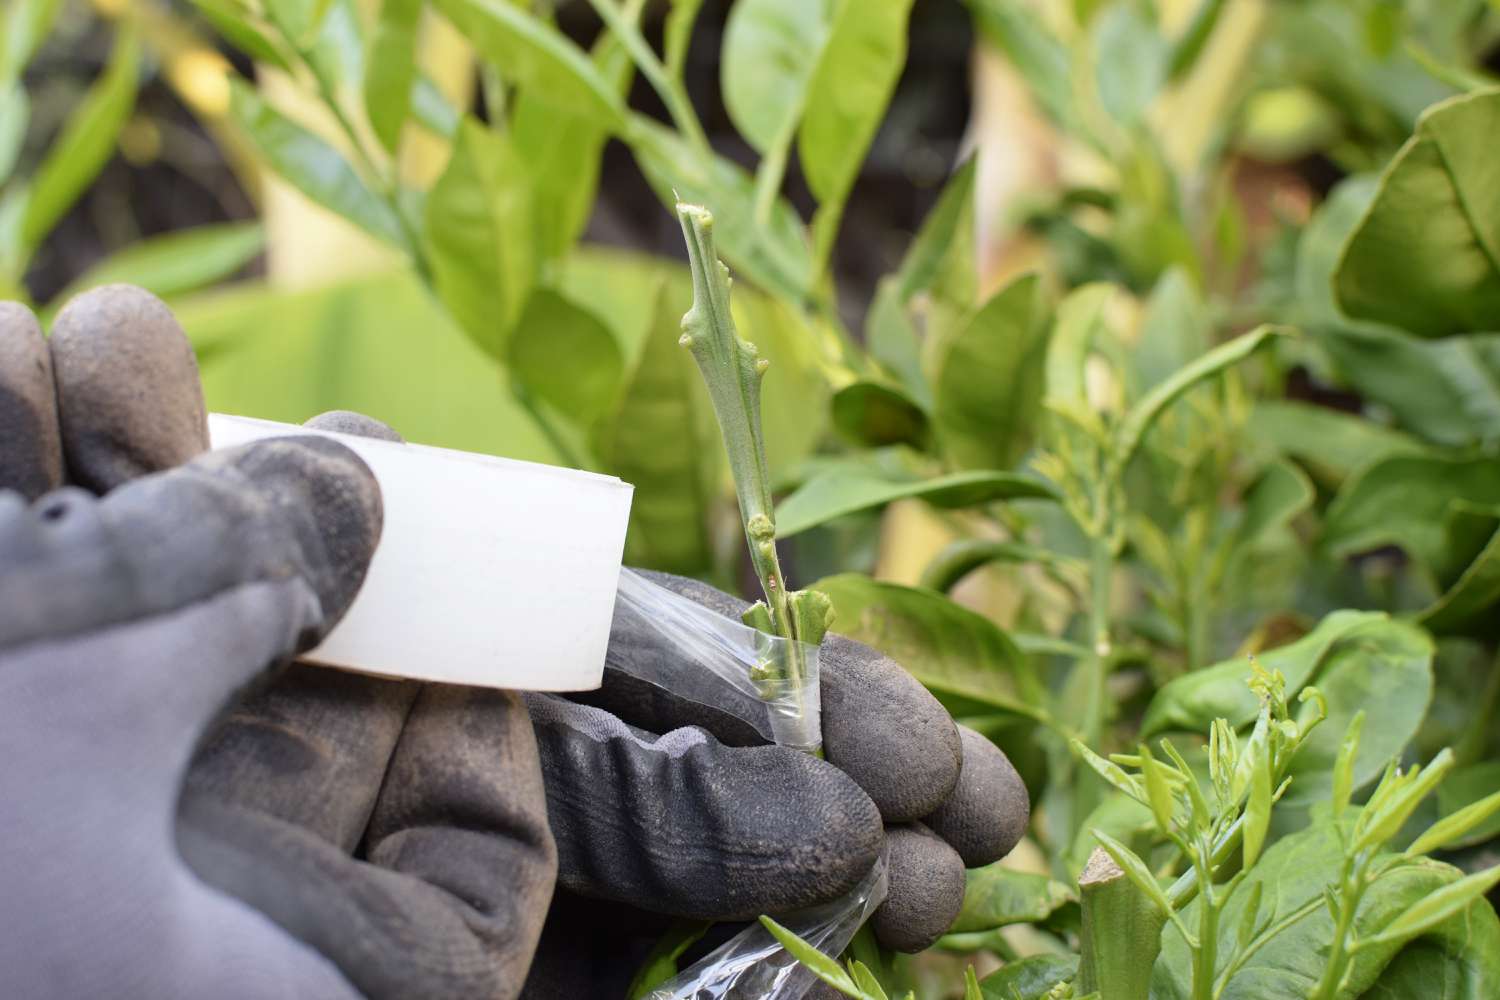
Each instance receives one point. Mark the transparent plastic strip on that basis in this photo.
(753, 966)
(717, 661)
(726, 664)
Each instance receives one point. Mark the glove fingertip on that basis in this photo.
(128, 397)
(339, 502)
(886, 731)
(989, 810)
(926, 889)
(31, 458)
(355, 424)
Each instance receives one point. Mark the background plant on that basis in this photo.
(1168, 374)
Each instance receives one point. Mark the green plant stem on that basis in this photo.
(1182, 892)
(1338, 955)
(1101, 570)
(1206, 956)
(772, 172)
(671, 91)
(732, 372)
(1121, 932)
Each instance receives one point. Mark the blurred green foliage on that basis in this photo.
(1223, 378)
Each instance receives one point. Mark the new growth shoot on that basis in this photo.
(733, 374)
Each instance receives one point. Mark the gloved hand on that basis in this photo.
(342, 835)
(655, 821)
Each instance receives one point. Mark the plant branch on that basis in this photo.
(771, 172)
(672, 93)
(733, 374)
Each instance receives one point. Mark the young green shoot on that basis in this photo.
(733, 372)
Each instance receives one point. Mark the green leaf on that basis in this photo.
(1395, 800)
(892, 340)
(1158, 789)
(1130, 61)
(1111, 772)
(1405, 500)
(1343, 766)
(771, 51)
(85, 144)
(1455, 826)
(563, 152)
(971, 985)
(818, 963)
(177, 262)
(950, 220)
(1466, 800)
(565, 354)
(26, 23)
(947, 647)
(1352, 657)
(989, 377)
(1036, 53)
(960, 558)
(1280, 494)
(335, 49)
(1390, 656)
(774, 256)
(1030, 978)
(1426, 257)
(661, 963)
(1465, 607)
(1135, 869)
(299, 20)
(660, 436)
(1189, 45)
(866, 982)
(845, 490)
(1330, 444)
(1257, 812)
(1078, 319)
(1447, 390)
(392, 69)
(287, 355)
(1140, 416)
(431, 109)
(231, 20)
(1447, 902)
(313, 167)
(478, 229)
(538, 57)
(996, 896)
(15, 114)
(846, 102)
(1175, 330)
(876, 415)
(1461, 956)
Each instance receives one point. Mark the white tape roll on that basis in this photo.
(490, 571)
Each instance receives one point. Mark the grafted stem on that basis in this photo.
(733, 372)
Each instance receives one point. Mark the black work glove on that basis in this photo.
(655, 821)
(342, 835)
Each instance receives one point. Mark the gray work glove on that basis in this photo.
(337, 835)
(656, 821)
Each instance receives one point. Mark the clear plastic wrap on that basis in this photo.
(729, 666)
(753, 966)
(718, 661)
